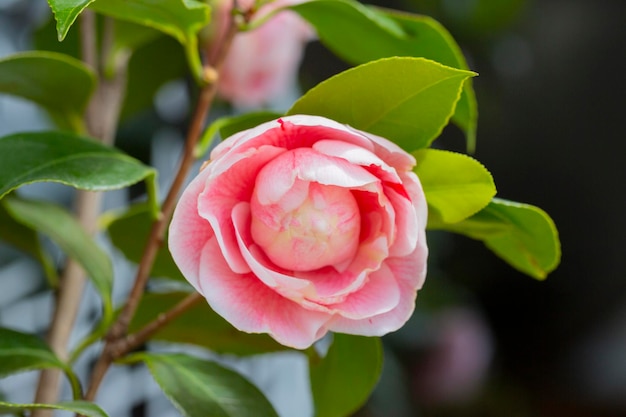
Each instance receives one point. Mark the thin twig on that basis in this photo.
(115, 338)
(134, 340)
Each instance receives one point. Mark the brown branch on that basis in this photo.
(134, 340)
(101, 120)
(116, 345)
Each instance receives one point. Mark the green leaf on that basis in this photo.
(26, 240)
(456, 186)
(142, 84)
(63, 229)
(181, 19)
(406, 100)
(66, 12)
(127, 38)
(60, 84)
(124, 230)
(428, 38)
(521, 234)
(343, 25)
(200, 388)
(229, 125)
(200, 326)
(71, 160)
(21, 352)
(344, 379)
(83, 408)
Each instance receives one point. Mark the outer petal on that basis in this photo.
(292, 132)
(410, 272)
(379, 295)
(406, 224)
(252, 307)
(220, 196)
(389, 152)
(188, 232)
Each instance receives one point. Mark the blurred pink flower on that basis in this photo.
(303, 225)
(454, 367)
(262, 64)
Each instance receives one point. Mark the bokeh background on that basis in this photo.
(485, 340)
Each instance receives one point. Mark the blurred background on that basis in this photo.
(485, 340)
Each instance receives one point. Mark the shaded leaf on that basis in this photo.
(128, 231)
(343, 25)
(406, 100)
(142, 84)
(201, 326)
(201, 388)
(63, 229)
(181, 19)
(59, 83)
(26, 240)
(83, 408)
(21, 352)
(71, 160)
(344, 379)
(456, 185)
(521, 234)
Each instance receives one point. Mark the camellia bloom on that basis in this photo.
(303, 225)
(262, 64)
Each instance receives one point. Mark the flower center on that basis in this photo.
(311, 226)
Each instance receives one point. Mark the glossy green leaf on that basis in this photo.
(406, 100)
(456, 185)
(66, 12)
(201, 388)
(521, 234)
(200, 326)
(344, 379)
(26, 240)
(63, 228)
(229, 125)
(60, 84)
(83, 408)
(343, 25)
(181, 19)
(21, 352)
(428, 38)
(128, 231)
(71, 160)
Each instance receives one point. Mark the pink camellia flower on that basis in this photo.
(303, 225)
(262, 64)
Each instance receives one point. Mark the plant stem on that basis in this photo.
(101, 120)
(132, 341)
(117, 343)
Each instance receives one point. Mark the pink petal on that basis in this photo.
(358, 155)
(409, 272)
(277, 177)
(406, 224)
(220, 196)
(379, 295)
(252, 307)
(293, 288)
(389, 152)
(291, 132)
(188, 232)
